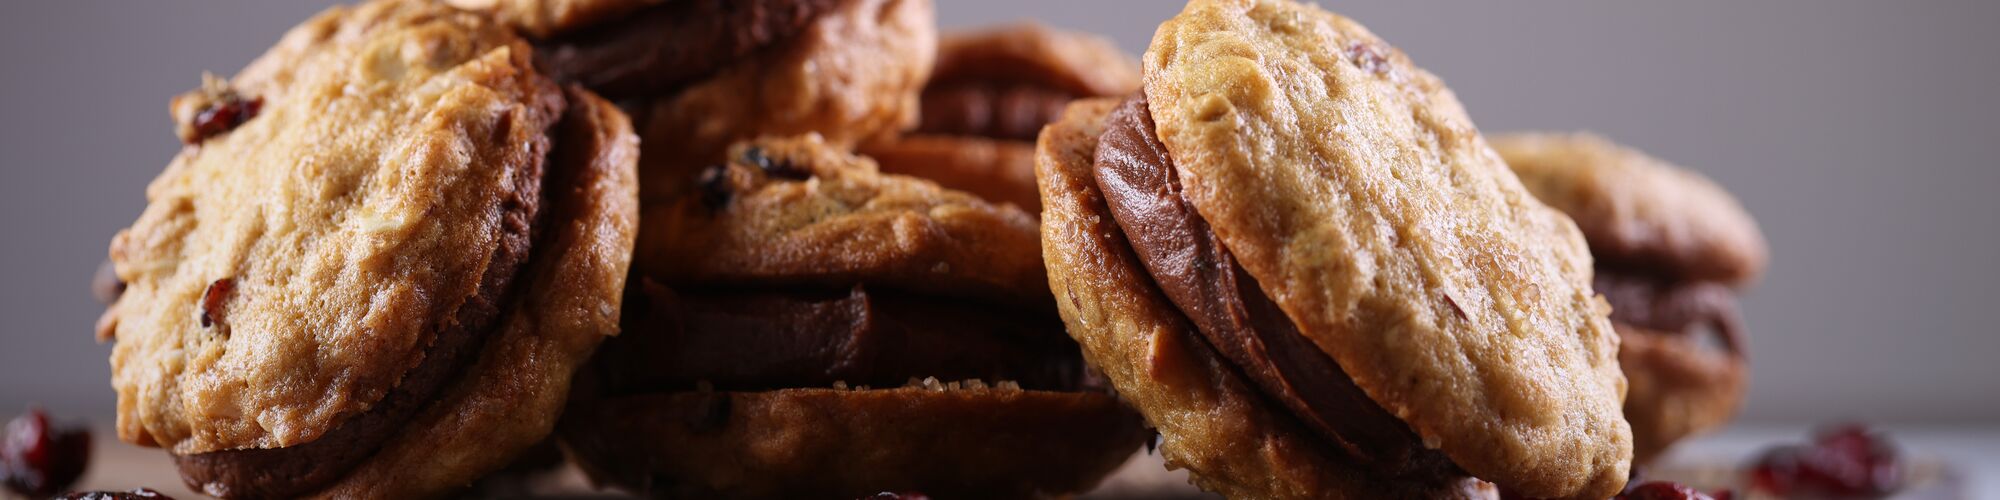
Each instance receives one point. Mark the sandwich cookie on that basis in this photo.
(699, 75)
(1293, 252)
(374, 268)
(990, 94)
(810, 327)
(1672, 250)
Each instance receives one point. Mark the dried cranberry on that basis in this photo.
(1843, 461)
(212, 300)
(224, 115)
(39, 461)
(138, 494)
(1662, 490)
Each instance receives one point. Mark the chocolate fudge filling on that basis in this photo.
(302, 469)
(663, 48)
(753, 340)
(999, 109)
(1650, 302)
(1198, 274)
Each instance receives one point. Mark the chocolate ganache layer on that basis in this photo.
(1197, 273)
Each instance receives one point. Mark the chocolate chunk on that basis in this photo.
(1198, 274)
(759, 340)
(661, 49)
(999, 110)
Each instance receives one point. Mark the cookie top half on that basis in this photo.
(798, 211)
(547, 18)
(373, 180)
(1638, 211)
(1354, 188)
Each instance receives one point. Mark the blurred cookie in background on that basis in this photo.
(1672, 250)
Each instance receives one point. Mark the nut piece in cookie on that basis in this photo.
(702, 74)
(808, 327)
(1672, 250)
(1293, 253)
(333, 294)
(991, 93)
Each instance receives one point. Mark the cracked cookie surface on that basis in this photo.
(1351, 185)
(393, 163)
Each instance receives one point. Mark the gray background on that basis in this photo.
(1860, 133)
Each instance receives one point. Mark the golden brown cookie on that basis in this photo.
(1671, 245)
(1328, 219)
(340, 247)
(797, 267)
(1634, 208)
(702, 74)
(944, 439)
(799, 211)
(1211, 421)
(548, 18)
(991, 93)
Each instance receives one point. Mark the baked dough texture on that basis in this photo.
(1211, 421)
(1079, 63)
(509, 397)
(851, 76)
(548, 18)
(951, 440)
(1634, 208)
(353, 216)
(847, 223)
(1070, 64)
(1352, 186)
(292, 271)
(1665, 230)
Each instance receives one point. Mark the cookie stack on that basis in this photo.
(806, 236)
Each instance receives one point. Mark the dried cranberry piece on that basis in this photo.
(1662, 490)
(1845, 461)
(40, 461)
(224, 115)
(138, 494)
(212, 300)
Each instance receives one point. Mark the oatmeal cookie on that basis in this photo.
(1326, 217)
(1672, 251)
(699, 75)
(990, 94)
(806, 326)
(345, 236)
(1211, 420)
